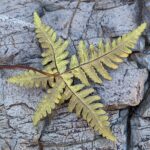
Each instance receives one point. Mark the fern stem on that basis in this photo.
(25, 67)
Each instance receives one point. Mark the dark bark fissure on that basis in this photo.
(129, 127)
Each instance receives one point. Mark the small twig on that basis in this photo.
(25, 67)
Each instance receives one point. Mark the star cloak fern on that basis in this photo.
(89, 63)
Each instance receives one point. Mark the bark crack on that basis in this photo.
(71, 20)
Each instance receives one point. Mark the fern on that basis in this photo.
(89, 63)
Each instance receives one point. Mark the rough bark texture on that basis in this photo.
(126, 97)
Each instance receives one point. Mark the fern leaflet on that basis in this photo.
(49, 102)
(54, 58)
(109, 55)
(32, 79)
(87, 104)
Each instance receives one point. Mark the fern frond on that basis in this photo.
(93, 64)
(87, 104)
(49, 102)
(32, 79)
(54, 57)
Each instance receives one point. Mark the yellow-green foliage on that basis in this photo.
(32, 79)
(49, 101)
(89, 63)
(55, 49)
(96, 58)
